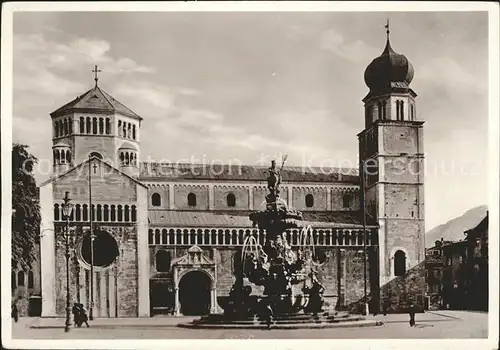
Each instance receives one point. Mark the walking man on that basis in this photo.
(14, 311)
(411, 311)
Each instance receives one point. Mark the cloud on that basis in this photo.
(356, 51)
(37, 55)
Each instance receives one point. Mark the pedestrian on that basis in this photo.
(411, 311)
(385, 306)
(75, 311)
(83, 315)
(14, 311)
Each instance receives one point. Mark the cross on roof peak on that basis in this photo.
(95, 71)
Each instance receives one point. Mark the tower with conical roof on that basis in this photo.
(95, 124)
(392, 164)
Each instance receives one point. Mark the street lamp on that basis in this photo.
(67, 207)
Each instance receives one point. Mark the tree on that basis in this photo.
(26, 208)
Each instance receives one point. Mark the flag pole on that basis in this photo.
(91, 213)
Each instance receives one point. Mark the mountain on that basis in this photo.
(454, 229)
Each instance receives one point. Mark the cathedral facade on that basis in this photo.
(167, 237)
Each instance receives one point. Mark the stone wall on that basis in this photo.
(182, 192)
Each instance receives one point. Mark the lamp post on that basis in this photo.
(67, 208)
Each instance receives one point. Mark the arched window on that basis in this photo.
(127, 213)
(384, 110)
(157, 237)
(397, 110)
(63, 157)
(85, 212)
(82, 125)
(399, 263)
(92, 212)
(122, 158)
(119, 128)
(133, 213)
(99, 212)
(70, 125)
(68, 157)
(94, 126)
(412, 113)
(124, 130)
(191, 200)
(58, 157)
(150, 237)
(88, 125)
(20, 278)
(346, 201)
(156, 200)
(13, 280)
(120, 213)
(127, 160)
(30, 279)
(133, 131)
(56, 212)
(108, 126)
(129, 131)
(309, 200)
(379, 108)
(402, 106)
(101, 126)
(65, 127)
(231, 200)
(113, 213)
(163, 260)
(95, 154)
(78, 212)
(56, 131)
(106, 212)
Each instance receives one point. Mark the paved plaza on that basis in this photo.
(430, 325)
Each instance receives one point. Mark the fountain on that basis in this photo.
(276, 269)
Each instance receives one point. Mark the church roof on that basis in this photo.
(162, 171)
(96, 100)
(219, 218)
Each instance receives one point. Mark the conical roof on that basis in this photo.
(95, 100)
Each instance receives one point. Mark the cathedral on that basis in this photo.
(152, 238)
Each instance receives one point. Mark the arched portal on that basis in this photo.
(194, 293)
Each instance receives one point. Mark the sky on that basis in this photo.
(250, 86)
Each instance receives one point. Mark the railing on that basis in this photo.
(236, 236)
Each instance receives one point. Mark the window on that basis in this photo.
(156, 200)
(96, 155)
(99, 212)
(191, 200)
(108, 126)
(379, 108)
(94, 126)
(20, 278)
(346, 201)
(309, 200)
(82, 125)
(78, 212)
(127, 213)
(402, 106)
(150, 237)
(397, 110)
(120, 213)
(113, 213)
(399, 263)
(163, 260)
(85, 213)
(119, 128)
(88, 125)
(231, 200)
(56, 212)
(412, 113)
(101, 126)
(384, 110)
(133, 213)
(133, 132)
(106, 212)
(30, 279)
(65, 126)
(68, 157)
(369, 116)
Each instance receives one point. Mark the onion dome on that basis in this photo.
(390, 67)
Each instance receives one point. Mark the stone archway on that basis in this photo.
(195, 293)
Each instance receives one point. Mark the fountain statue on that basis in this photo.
(274, 265)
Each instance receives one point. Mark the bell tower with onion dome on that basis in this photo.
(95, 124)
(391, 157)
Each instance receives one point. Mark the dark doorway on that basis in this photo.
(194, 293)
(162, 296)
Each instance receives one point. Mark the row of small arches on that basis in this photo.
(19, 279)
(382, 111)
(101, 126)
(128, 158)
(231, 200)
(61, 156)
(126, 130)
(63, 127)
(106, 213)
(236, 237)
